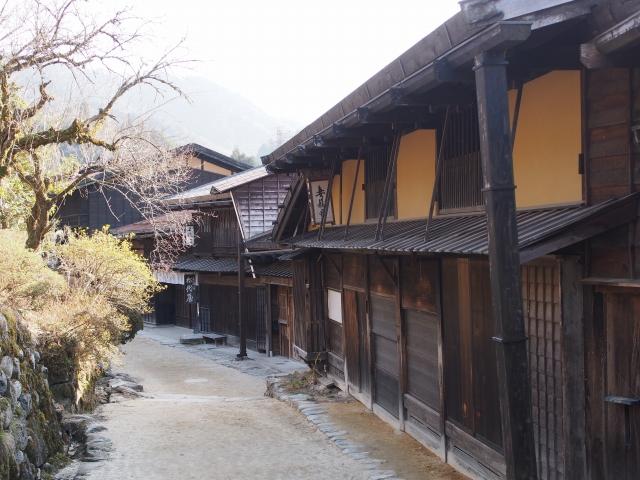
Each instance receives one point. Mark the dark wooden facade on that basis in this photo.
(612, 298)
(216, 231)
(460, 350)
(415, 345)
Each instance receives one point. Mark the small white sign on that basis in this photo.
(334, 303)
(174, 278)
(189, 236)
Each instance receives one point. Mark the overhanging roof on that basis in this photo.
(149, 226)
(192, 263)
(232, 181)
(211, 156)
(430, 62)
(540, 231)
(197, 194)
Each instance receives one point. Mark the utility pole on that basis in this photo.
(504, 261)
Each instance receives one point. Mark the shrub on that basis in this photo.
(25, 280)
(101, 264)
(78, 338)
(84, 310)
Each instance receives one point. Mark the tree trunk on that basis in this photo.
(38, 223)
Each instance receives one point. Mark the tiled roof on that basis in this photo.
(232, 181)
(147, 226)
(467, 234)
(207, 264)
(212, 156)
(275, 269)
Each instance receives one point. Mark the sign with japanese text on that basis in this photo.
(190, 289)
(319, 197)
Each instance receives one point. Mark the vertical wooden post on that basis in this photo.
(268, 320)
(241, 310)
(573, 346)
(499, 198)
(402, 343)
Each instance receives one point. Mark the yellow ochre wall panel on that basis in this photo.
(196, 163)
(545, 157)
(416, 173)
(415, 178)
(342, 197)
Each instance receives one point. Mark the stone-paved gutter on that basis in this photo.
(87, 443)
(317, 416)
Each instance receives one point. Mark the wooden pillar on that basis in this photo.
(402, 343)
(268, 320)
(499, 198)
(573, 347)
(242, 323)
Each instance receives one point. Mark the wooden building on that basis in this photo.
(232, 218)
(498, 326)
(257, 196)
(92, 207)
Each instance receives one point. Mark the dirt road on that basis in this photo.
(206, 421)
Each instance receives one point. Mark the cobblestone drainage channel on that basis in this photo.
(317, 416)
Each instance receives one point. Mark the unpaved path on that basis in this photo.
(206, 421)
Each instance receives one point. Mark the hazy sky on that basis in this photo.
(293, 58)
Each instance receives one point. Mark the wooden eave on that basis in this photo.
(444, 57)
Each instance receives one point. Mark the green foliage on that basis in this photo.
(15, 202)
(101, 264)
(84, 310)
(25, 280)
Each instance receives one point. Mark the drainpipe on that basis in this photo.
(499, 199)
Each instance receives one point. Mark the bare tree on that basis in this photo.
(38, 35)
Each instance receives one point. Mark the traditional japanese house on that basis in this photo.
(257, 196)
(498, 326)
(204, 291)
(92, 207)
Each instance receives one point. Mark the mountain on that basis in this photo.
(218, 118)
(212, 116)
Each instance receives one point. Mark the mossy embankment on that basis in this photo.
(30, 433)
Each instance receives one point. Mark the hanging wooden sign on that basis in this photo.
(319, 197)
(190, 289)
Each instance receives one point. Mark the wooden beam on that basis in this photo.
(606, 220)
(447, 73)
(401, 341)
(597, 52)
(499, 197)
(353, 193)
(573, 345)
(611, 282)
(400, 116)
(268, 320)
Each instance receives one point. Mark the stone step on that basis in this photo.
(215, 338)
(191, 339)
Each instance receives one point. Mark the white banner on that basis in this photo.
(174, 278)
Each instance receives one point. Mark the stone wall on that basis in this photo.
(30, 431)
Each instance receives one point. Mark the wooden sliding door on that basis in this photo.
(357, 342)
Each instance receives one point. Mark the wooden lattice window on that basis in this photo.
(461, 177)
(541, 299)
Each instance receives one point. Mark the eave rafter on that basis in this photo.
(610, 47)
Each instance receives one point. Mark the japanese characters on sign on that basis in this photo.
(190, 289)
(319, 190)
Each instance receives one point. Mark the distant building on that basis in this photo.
(93, 208)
